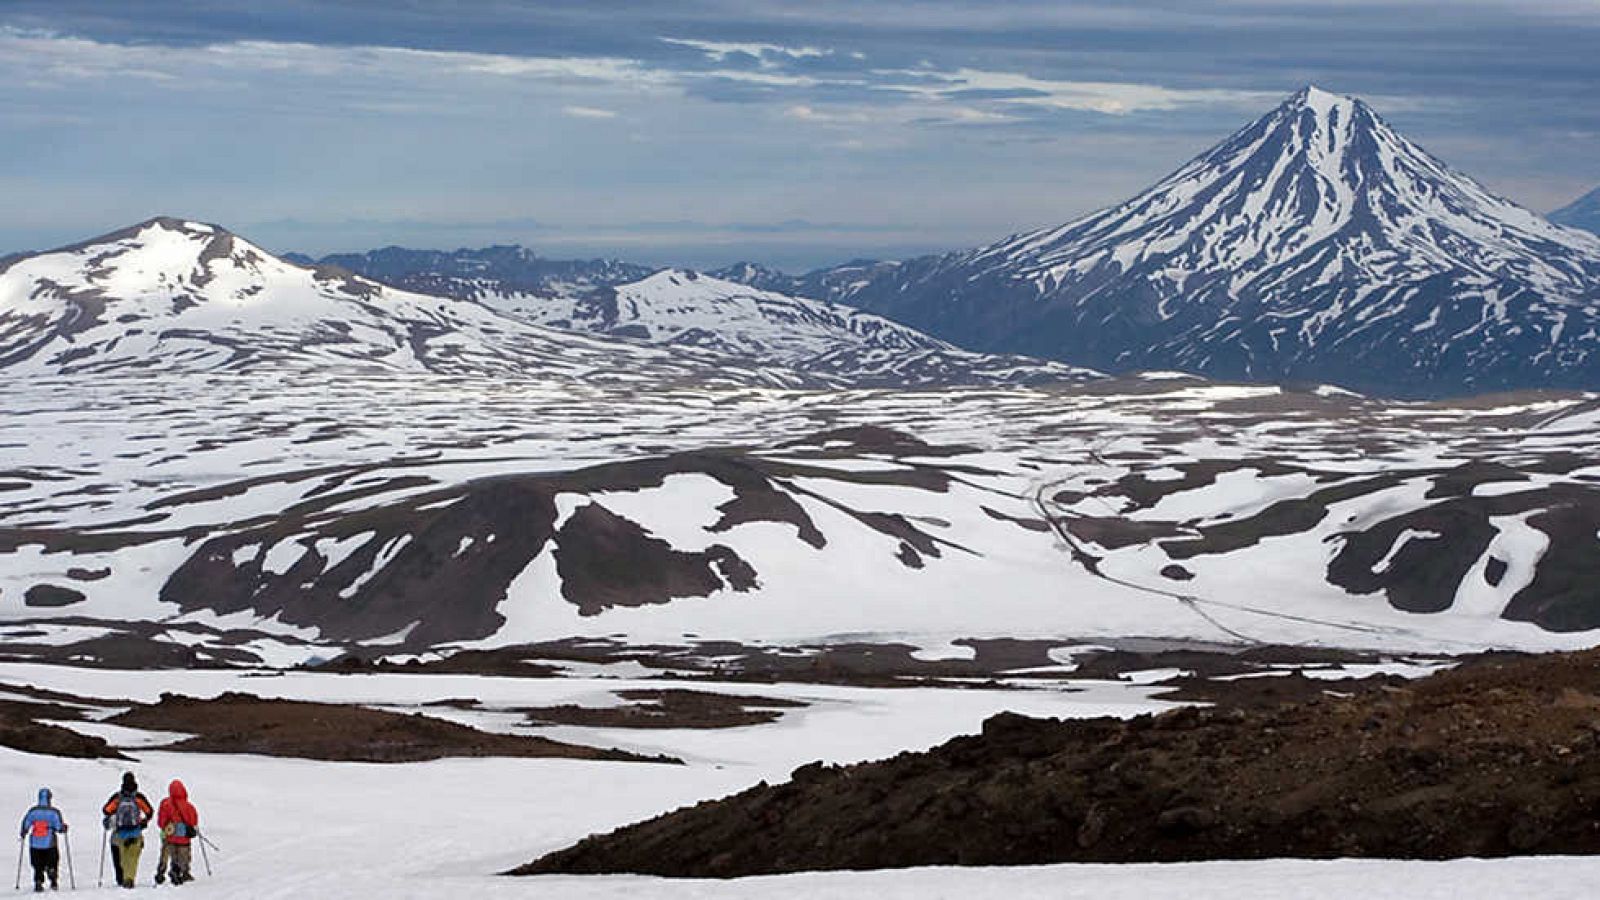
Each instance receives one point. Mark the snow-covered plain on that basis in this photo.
(295, 828)
(108, 485)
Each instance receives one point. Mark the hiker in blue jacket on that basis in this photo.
(40, 826)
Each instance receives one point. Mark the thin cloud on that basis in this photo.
(589, 112)
(720, 51)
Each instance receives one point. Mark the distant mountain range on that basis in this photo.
(469, 274)
(1315, 244)
(173, 295)
(1583, 212)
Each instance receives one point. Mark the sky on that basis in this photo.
(702, 132)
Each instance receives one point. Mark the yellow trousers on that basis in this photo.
(127, 852)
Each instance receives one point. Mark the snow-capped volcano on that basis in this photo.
(1317, 243)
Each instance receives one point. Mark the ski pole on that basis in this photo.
(18, 885)
(203, 857)
(72, 880)
(207, 842)
(103, 842)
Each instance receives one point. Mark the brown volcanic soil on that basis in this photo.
(21, 728)
(670, 709)
(1499, 757)
(241, 723)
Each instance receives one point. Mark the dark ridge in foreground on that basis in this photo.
(1500, 757)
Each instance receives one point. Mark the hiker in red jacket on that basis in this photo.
(179, 822)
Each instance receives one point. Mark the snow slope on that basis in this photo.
(486, 815)
(677, 306)
(682, 308)
(1315, 244)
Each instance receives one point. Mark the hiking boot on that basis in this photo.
(161, 877)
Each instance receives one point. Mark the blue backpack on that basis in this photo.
(128, 816)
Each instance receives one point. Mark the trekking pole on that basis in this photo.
(203, 857)
(106, 839)
(18, 885)
(207, 842)
(72, 880)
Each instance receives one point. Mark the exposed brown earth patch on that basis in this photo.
(1267, 691)
(140, 645)
(993, 661)
(1499, 757)
(51, 596)
(672, 708)
(23, 727)
(876, 439)
(607, 561)
(465, 662)
(241, 723)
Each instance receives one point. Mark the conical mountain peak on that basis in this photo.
(1315, 243)
(1316, 98)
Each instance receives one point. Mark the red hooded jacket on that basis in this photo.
(177, 810)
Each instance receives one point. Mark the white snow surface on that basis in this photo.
(295, 828)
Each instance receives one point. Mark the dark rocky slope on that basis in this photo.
(1499, 757)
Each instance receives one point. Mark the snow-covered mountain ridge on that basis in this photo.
(168, 295)
(1315, 244)
(172, 294)
(683, 308)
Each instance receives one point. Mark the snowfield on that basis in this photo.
(473, 817)
(295, 828)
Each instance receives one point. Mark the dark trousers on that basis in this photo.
(177, 857)
(46, 861)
